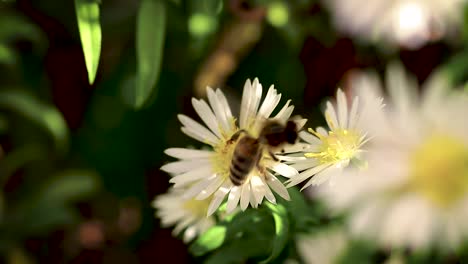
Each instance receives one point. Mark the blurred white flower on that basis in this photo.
(330, 152)
(324, 247)
(187, 215)
(415, 191)
(205, 173)
(410, 23)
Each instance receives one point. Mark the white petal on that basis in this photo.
(189, 234)
(246, 98)
(300, 123)
(184, 153)
(306, 174)
(257, 188)
(306, 164)
(210, 189)
(253, 202)
(205, 224)
(199, 186)
(257, 88)
(292, 159)
(214, 205)
(219, 197)
(205, 113)
(322, 176)
(283, 113)
(353, 114)
(269, 103)
(330, 116)
(227, 110)
(197, 129)
(191, 176)
(198, 137)
(284, 170)
(364, 221)
(342, 106)
(309, 138)
(402, 92)
(277, 186)
(233, 199)
(253, 98)
(268, 194)
(184, 165)
(183, 224)
(322, 131)
(245, 196)
(218, 109)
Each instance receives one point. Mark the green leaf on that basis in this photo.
(211, 6)
(87, 14)
(49, 206)
(19, 157)
(280, 216)
(248, 237)
(304, 215)
(15, 25)
(69, 186)
(212, 239)
(150, 32)
(465, 24)
(44, 115)
(457, 67)
(7, 54)
(359, 251)
(238, 251)
(44, 219)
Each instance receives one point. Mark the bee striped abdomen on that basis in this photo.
(243, 160)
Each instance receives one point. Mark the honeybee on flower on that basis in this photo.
(208, 173)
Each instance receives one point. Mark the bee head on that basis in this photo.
(291, 132)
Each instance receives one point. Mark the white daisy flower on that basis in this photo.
(325, 247)
(206, 172)
(415, 191)
(330, 152)
(188, 216)
(410, 23)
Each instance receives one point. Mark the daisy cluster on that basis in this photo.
(410, 23)
(395, 163)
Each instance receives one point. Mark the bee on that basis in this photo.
(249, 149)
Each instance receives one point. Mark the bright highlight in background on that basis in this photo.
(411, 17)
(411, 24)
(278, 14)
(201, 24)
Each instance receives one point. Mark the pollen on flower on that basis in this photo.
(198, 208)
(338, 145)
(222, 158)
(439, 170)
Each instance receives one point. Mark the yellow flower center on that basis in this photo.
(439, 170)
(198, 208)
(222, 159)
(339, 145)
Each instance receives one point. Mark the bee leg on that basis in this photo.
(260, 168)
(235, 136)
(273, 156)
